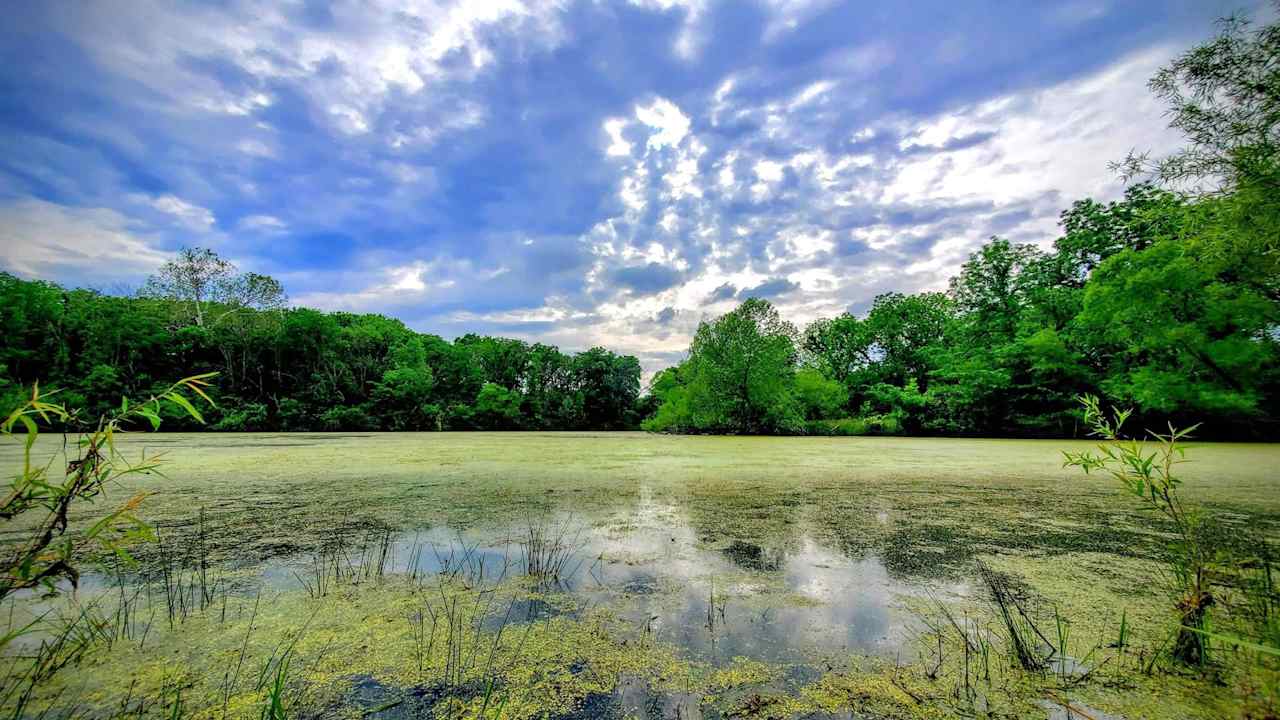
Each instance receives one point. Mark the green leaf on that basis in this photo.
(185, 404)
(32, 430)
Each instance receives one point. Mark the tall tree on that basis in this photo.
(609, 385)
(195, 277)
(989, 288)
(741, 373)
(1224, 96)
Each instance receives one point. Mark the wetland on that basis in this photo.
(397, 575)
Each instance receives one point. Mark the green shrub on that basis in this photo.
(249, 417)
(347, 418)
(841, 427)
(889, 424)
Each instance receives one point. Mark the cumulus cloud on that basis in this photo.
(646, 279)
(577, 173)
(723, 292)
(769, 289)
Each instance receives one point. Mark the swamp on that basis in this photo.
(577, 575)
(660, 359)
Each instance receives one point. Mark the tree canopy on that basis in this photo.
(294, 368)
(1167, 301)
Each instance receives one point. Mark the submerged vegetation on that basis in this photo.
(596, 575)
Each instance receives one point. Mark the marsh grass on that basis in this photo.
(981, 660)
(184, 572)
(1026, 642)
(1221, 573)
(343, 561)
(550, 551)
(463, 618)
(23, 679)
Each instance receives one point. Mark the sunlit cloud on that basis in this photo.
(576, 173)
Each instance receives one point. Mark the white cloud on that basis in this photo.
(192, 216)
(810, 93)
(80, 246)
(262, 223)
(349, 119)
(354, 67)
(618, 145)
(752, 175)
(1057, 138)
(662, 115)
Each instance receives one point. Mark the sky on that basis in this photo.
(576, 173)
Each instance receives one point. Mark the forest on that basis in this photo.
(1159, 302)
(1162, 302)
(294, 369)
(1166, 302)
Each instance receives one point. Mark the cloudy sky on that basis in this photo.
(578, 173)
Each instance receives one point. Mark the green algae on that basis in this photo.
(923, 509)
(552, 667)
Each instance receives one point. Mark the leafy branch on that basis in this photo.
(48, 552)
(1145, 467)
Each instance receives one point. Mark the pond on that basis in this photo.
(576, 575)
(785, 604)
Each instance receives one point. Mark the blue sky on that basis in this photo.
(578, 173)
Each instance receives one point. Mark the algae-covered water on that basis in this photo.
(626, 574)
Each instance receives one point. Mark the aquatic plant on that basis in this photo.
(337, 561)
(48, 552)
(1146, 469)
(548, 551)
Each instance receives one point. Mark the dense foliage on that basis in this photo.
(1156, 301)
(294, 369)
(1166, 301)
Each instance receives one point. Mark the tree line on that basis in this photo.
(1166, 301)
(294, 369)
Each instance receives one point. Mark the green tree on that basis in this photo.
(840, 347)
(903, 329)
(551, 399)
(609, 385)
(1182, 339)
(1093, 232)
(402, 395)
(502, 361)
(195, 277)
(497, 408)
(741, 372)
(990, 289)
(820, 398)
(1224, 96)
